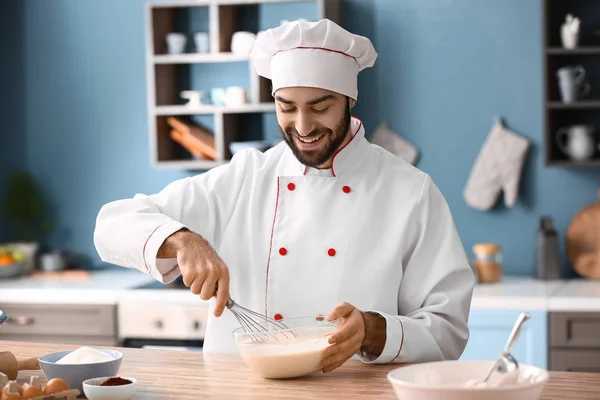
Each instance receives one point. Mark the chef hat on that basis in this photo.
(313, 54)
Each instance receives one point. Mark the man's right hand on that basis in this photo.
(202, 269)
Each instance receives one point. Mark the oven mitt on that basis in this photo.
(496, 168)
(394, 143)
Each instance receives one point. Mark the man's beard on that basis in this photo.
(333, 139)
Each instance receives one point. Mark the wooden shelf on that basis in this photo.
(557, 114)
(593, 162)
(209, 109)
(579, 105)
(559, 51)
(169, 74)
(189, 164)
(191, 58)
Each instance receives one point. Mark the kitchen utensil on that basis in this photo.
(235, 96)
(10, 366)
(194, 97)
(54, 261)
(259, 326)
(75, 374)
(242, 43)
(201, 42)
(583, 241)
(453, 380)
(297, 352)
(547, 254)
(217, 96)
(93, 390)
(506, 362)
(3, 317)
(571, 83)
(576, 141)
(175, 42)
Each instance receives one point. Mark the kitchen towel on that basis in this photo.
(394, 143)
(497, 168)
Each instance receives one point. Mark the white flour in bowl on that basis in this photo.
(85, 355)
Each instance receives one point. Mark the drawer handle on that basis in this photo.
(21, 320)
(158, 323)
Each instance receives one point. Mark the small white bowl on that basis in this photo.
(447, 379)
(93, 390)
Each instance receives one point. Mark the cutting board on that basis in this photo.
(583, 241)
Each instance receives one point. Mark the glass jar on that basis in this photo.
(487, 261)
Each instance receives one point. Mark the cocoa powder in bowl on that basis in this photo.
(116, 381)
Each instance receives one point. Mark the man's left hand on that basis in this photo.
(347, 340)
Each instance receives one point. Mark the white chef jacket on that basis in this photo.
(373, 231)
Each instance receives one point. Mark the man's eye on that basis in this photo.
(321, 111)
(287, 110)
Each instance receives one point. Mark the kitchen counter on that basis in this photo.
(115, 285)
(515, 293)
(106, 287)
(172, 374)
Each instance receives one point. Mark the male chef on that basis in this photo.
(324, 223)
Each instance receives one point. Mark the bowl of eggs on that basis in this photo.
(463, 380)
(76, 366)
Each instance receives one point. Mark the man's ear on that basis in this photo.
(352, 102)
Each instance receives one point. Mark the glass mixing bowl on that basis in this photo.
(289, 353)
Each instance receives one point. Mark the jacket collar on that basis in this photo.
(344, 160)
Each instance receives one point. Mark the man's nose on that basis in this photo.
(304, 124)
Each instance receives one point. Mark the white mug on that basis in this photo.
(242, 43)
(201, 42)
(235, 96)
(175, 42)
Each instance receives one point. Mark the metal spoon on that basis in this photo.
(506, 362)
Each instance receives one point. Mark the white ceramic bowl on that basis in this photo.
(93, 390)
(290, 353)
(75, 374)
(446, 380)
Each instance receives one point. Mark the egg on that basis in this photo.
(56, 385)
(5, 389)
(30, 391)
(12, 391)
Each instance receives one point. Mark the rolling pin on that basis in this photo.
(10, 366)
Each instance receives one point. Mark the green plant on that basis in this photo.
(24, 206)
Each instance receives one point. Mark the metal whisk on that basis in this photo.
(257, 325)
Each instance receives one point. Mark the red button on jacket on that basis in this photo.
(346, 189)
(278, 317)
(331, 252)
(283, 251)
(291, 186)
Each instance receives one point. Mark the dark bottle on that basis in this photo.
(547, 251)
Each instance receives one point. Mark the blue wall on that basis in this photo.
(446, 69)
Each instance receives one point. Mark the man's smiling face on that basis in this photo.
(314, 123)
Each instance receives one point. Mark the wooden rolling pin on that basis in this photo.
(10, 366)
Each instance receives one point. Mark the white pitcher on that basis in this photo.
(576, 141)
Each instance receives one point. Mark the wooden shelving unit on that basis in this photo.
(170, 74)
(584, 111)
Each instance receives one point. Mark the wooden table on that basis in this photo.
(167, 374)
